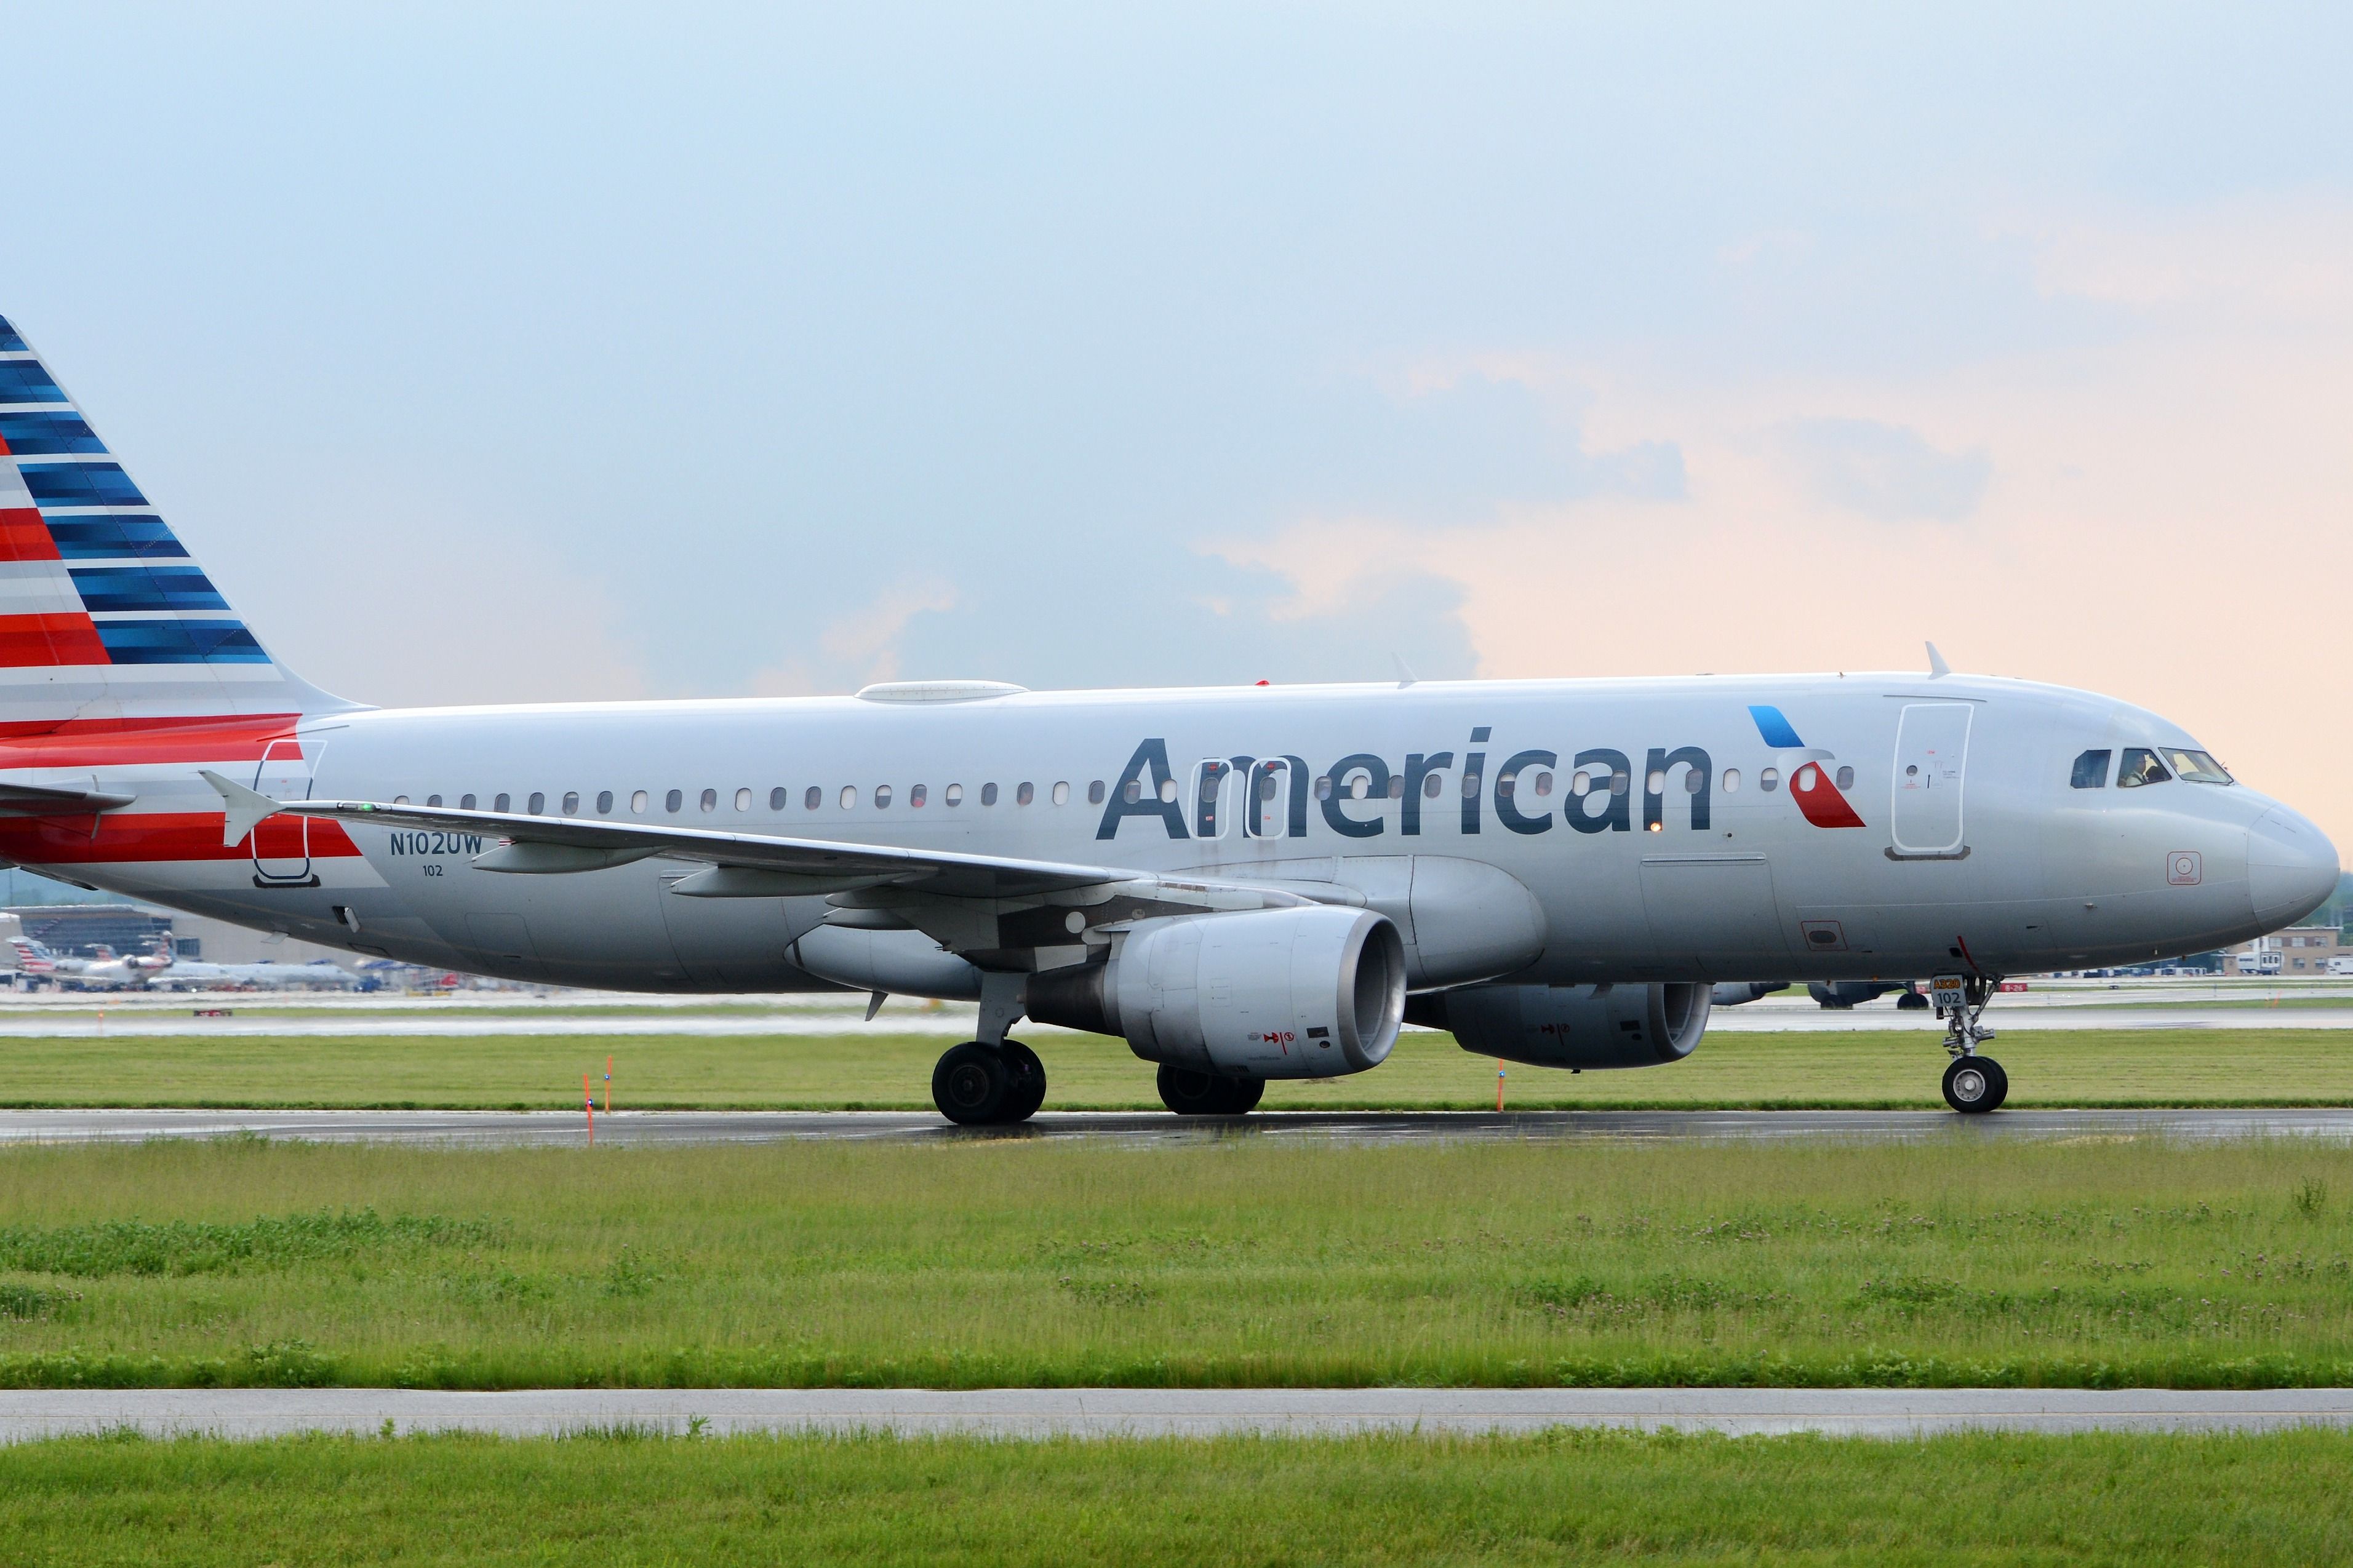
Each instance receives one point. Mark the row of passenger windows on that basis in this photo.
(1356, 786)
(779, 798)
(2142, 765)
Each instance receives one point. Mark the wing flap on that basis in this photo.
(823, 863)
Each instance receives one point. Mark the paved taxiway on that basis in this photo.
(29, 1415)
(508, 1128)
(178, 1022)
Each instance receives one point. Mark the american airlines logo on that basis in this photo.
(1280, 797)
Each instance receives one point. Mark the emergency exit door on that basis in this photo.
(281, 845)
(1932, 749)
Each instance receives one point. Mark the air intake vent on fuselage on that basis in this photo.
(937, 690)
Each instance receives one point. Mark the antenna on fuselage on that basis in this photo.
(1937, 668)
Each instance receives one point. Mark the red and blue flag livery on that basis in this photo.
(1809, 782)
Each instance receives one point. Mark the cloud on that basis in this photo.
(1885, 472)
(861, 646)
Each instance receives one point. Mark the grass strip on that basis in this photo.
(2098, 1262)
(1893, 1071)
(1564, 1496)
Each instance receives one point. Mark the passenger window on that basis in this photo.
(465, 803)
(1470, 786)
(2140, 767)
(638, 801)
(1095, 793)
(572, 803)
(1061, 792)
(1656, 783)
(433, 800)
(776, 798)
(711, 800)
(1323, 788)
(882, 797)
(849, 797)
(916, 795)
(604, 803)
(1731, 781)
(1619, 782)
(672, 801)
(1768, 779)
(1168, 792)
(952, 795)
(2090, 770)
(503, 803)
(1695, 781)
(1397, 786)
(1266, 784)
(1544, 783)
(813, 799)
(1024, 792)
(1132, 792)
(742, 800)
(538, 803)
(400, 800)
(989, 795)
(1580, 783)
(1433, 785)
(1846, 778)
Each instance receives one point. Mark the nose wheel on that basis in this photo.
(1975, 1084)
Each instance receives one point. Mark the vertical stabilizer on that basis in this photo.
(103, 614)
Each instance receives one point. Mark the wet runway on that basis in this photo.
(30, 1415)
(521, 1128)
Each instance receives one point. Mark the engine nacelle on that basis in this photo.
(1571, 1026)
(1309, 992)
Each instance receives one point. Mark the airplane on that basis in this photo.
(1243, 883)
(35, 962)
(195, 975)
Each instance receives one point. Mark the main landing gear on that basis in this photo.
(1190, 1093)
(988, 1086)
(1973, 1084)
(991, 1081)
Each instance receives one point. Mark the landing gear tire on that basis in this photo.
(1974, 1085)
(1910, 1002)
(1028, 1091)
(1190, 1093)
(971, 1083)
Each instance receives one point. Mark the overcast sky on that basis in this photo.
(493, 352)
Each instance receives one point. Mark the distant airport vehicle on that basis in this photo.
(1244, 883)
(1839, 995)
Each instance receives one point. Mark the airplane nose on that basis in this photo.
(2290, 868)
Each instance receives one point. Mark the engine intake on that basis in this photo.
(1310, 992)
(1571, 1026)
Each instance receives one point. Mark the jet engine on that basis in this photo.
(1571, 1026)
(1308, 991)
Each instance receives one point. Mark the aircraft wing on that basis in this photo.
(555, 845)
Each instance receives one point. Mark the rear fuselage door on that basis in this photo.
(1932, 746)
(281, 845)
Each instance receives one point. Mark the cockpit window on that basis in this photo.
(2197, 767)
(2092, 770)
(2140, 767)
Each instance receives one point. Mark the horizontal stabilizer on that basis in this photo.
(245, 808)
(39, 799)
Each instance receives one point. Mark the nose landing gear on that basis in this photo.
(1974, 1084)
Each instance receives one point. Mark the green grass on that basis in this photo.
(1562, 1497)
(1427, 1071)
(2099, 1262)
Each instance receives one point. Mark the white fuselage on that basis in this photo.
(1990, 860)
